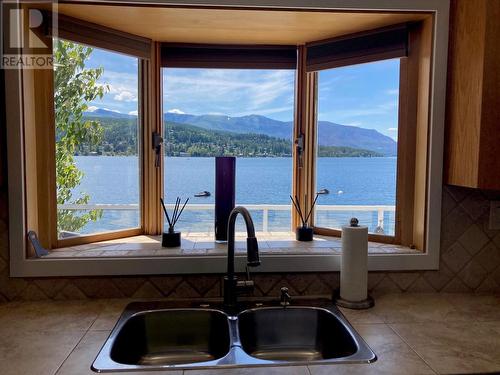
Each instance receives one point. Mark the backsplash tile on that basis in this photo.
(470, 262)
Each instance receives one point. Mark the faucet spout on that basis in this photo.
(231, 281)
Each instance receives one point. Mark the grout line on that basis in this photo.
(411, 348)
(78, 343)
(71, 352)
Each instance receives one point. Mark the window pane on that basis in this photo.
(232, 112)
(357, 145)
(97, 164)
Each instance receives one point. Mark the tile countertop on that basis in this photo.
(410, 333)
(203, 244)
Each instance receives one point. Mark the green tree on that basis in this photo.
(74, 87)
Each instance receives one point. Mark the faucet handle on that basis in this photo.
(285, 297)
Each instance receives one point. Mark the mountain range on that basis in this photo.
(330, 134)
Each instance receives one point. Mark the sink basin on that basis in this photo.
(163, 335)
(294, 334)
(172, 337)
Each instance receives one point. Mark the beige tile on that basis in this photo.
(473, 239)
(456, 257)
(413, 307)
(202, 244)
(289, 243)
(61, 254)
(49, 316)
(194, 251)
(239, 244)
(35, 352)
(393, 355)
(87, 253)
(480, 308)
(361, 316)
(111, 311)
(288, 370)
(165, 252)
(142, 253)
(134, 239)
(455, 347)
(141, 246)
(82, 357)
(217, 251)
(116, 253)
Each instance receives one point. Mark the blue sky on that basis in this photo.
(363, 95)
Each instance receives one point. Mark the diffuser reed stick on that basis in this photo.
(176, 214)
(296, 204)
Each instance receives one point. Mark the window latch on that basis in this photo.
(299, 144)
(157, 142)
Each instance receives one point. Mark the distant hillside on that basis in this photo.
(331, 134)
(353, 136)
(120, 138)
(104, 113)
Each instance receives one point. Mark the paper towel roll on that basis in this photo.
(354, 264)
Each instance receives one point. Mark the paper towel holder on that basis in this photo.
(355, 305)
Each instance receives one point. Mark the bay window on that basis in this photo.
(95, 171)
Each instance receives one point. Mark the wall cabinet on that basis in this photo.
(472, 156)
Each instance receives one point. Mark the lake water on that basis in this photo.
(351, 181)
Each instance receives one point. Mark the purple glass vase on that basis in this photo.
(225, 188)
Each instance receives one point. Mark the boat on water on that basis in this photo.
(202, 194)
(324, 191)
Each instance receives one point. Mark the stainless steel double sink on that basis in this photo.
(156, 335)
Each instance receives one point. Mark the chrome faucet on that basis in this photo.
(231, 284)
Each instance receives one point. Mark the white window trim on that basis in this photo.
(20, 266)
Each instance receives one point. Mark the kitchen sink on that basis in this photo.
(171, 337)
(163, 335)
(294, 334)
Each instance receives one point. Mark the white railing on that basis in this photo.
(265, 208)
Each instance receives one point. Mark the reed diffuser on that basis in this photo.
(304, 232)
(172, 238)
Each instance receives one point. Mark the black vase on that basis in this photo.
(304, 233)
(225, 187)
(171, 239)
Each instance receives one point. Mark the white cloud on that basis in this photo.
(392, 92)
(229, 91)
(125, 96)
(176, 111)
(92, 108)
(392, 129)
(380, 109)
(133, 113)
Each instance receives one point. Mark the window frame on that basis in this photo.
(21, 265)
(412, 153)
(37, 87)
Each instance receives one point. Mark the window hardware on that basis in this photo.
(157, 142)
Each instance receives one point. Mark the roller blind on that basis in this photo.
(174, 55)
(99, 36)
(378, 44)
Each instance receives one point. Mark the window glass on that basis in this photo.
(229, 112)
(97, 163)
(357, 145)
